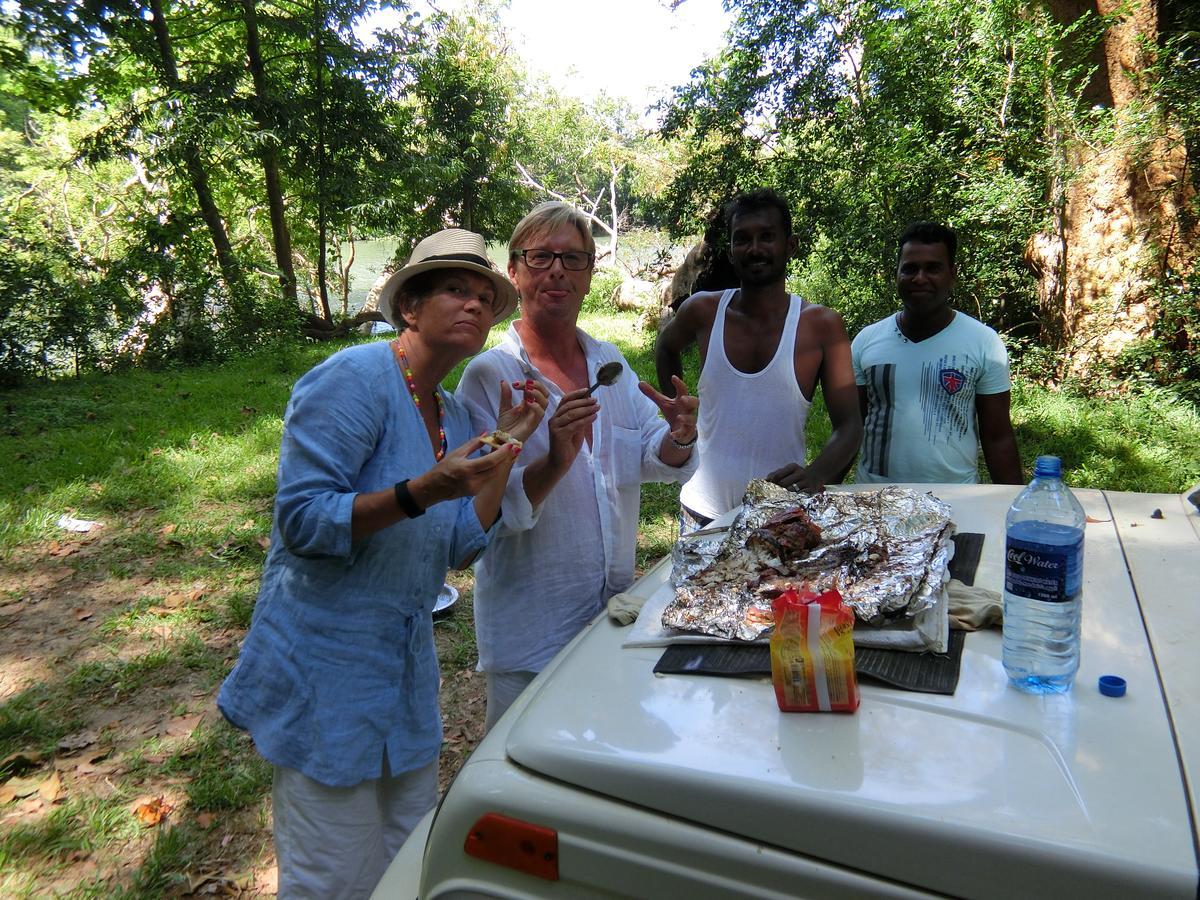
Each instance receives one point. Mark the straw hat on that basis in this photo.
(452, 248)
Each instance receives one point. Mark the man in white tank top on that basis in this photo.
(762, 354)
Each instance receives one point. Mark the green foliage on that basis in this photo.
(604, 282)
(464, 89)
(870, 116)
(1170, 357)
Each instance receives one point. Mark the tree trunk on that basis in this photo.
(322, 224)
(198, 175)
(1120, 225)
(468, 207)
(280, 238)
(612, 198)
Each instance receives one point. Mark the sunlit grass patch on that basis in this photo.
(1142, 440)
(658, 524)
(78, 824)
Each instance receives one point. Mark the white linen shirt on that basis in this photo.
(551, 568)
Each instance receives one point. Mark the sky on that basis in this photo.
(637, 49)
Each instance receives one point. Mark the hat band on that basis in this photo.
(458, 257)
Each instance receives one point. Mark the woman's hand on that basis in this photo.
(455, 475)
(680, 411)
(522, 420)
(458, 474)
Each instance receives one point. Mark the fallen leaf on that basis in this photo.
(154, 759)
(249, 411)
(168, 529)
(174, 600)
(83, 614)
(205, 820)
(78, 741)
(50, 789)
(195, 595)
(263, 542)
(197, 880)
(249, 523)
(183, 725)
(16, 788)
(152, 812)
(19, 762)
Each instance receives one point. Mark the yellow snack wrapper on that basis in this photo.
(812, 653)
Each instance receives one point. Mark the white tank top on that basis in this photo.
(749, 424)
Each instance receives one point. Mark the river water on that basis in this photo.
(370, 257)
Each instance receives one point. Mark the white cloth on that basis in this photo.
(503, 689)
(921, 423)
(336, 842)
(750, 424)
(550, 569)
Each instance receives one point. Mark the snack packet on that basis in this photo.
(812, 653)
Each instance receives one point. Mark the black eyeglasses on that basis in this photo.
(573, 260)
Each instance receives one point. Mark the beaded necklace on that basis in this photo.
(412, 389)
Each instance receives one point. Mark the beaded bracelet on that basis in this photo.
(683, 446)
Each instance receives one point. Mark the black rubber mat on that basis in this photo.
(968, 546)
(929, 673)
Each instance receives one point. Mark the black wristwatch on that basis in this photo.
(404, 499)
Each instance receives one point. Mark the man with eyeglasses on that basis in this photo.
(762, 353)
(568, 529)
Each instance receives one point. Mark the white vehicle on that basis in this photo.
(605, 779)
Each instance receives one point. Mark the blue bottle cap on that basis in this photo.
(1112, 685)
(1048, 467)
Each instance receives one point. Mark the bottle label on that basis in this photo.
(1049, 572)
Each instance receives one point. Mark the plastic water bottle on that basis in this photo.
(1043, 579)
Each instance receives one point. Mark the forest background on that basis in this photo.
(183, 185)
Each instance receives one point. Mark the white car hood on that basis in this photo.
(989, 792)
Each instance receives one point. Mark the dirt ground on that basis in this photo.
(108, 677)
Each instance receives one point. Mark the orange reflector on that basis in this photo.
(528, 848)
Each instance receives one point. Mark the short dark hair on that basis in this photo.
(929, 233)
(753, 201)
(413, 293)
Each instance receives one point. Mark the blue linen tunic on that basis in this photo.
(339, 663)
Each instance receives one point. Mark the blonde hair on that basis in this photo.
(546, 218)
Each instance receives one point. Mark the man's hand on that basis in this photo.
(522, 420)
(569, 427)
(797, 478)
(679, 411)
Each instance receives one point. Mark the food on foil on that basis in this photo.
(886, 552)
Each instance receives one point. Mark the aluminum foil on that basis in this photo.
(887, 552)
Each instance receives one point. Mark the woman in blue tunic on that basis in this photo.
(381, 490)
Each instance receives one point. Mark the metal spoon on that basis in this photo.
(607, 374)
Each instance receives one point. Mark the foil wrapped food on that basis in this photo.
(886, 552)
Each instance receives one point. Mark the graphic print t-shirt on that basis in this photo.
(921, 399)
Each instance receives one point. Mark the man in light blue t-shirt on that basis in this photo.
(933, 382)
